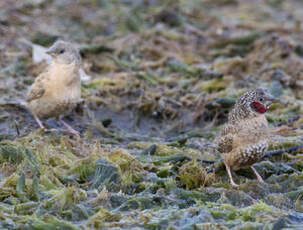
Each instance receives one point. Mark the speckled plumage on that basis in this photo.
(243, 140)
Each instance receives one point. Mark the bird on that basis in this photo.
(57, 90)
(244, 139)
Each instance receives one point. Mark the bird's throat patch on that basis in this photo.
(259, 107)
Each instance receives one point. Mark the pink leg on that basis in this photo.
(230, 177)
(257, 174)
(69, 128)
(43, 127)
(39, 122)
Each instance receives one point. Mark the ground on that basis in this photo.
(163, 76)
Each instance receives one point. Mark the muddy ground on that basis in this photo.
(163, 76)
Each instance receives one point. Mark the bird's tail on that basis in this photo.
(16, 103)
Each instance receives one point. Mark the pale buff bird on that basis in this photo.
(244, 139)
(57, 91)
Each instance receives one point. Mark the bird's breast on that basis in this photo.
(64, 84)
(251, 131)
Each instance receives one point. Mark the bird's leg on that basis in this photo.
(69, 128)
(257, 174)
(39, 122)
(230, 176)
(43, 127)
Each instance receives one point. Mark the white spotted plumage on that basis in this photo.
(243, 140)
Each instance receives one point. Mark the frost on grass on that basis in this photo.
(162, 77)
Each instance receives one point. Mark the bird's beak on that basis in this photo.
(51, 51)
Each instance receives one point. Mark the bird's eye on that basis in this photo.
(261, 99)
(62, 51)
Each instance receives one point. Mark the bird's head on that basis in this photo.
(64, 53)
(256, 101)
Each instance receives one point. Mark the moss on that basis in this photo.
(11, 181)
(11, 154)
(214, 84)
(131, 169)
(64, 198)
(174, 159)
(48, 222)
(27, 208)
(124, 159)
(138, 203)
(240, 40)
(43, 39)
(163, 173)
(47, 183)
(219, 103)
(250, 213)
(83, 168)
(151, 150)
(106, 174)
(278, 200)
(35, 192)
(276, 118)
(235, 65)
(293, 195)
(298, 204)
(20, 188)
(99, 219)
(258, 212)
(138, 145)
(94, 49)
(197, 196)
(178, 66)
(224, 214)
(108, 84)
(193, 175)
(299, 122)
(164, 150)
(284, 143)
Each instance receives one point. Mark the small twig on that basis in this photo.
(206, 161)
(280, 151)
(141, 75)
(17, 127)
(21, 105)
(118, 63)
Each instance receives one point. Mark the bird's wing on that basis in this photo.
(37, 89)
(225, 141)
(228, 129)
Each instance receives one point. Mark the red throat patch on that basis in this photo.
(259, 107)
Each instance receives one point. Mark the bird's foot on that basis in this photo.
(69, 129)
(74, 132)
(39, 122)
(259, 178)
(52, 130)
(234, 184)
(230, 176)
